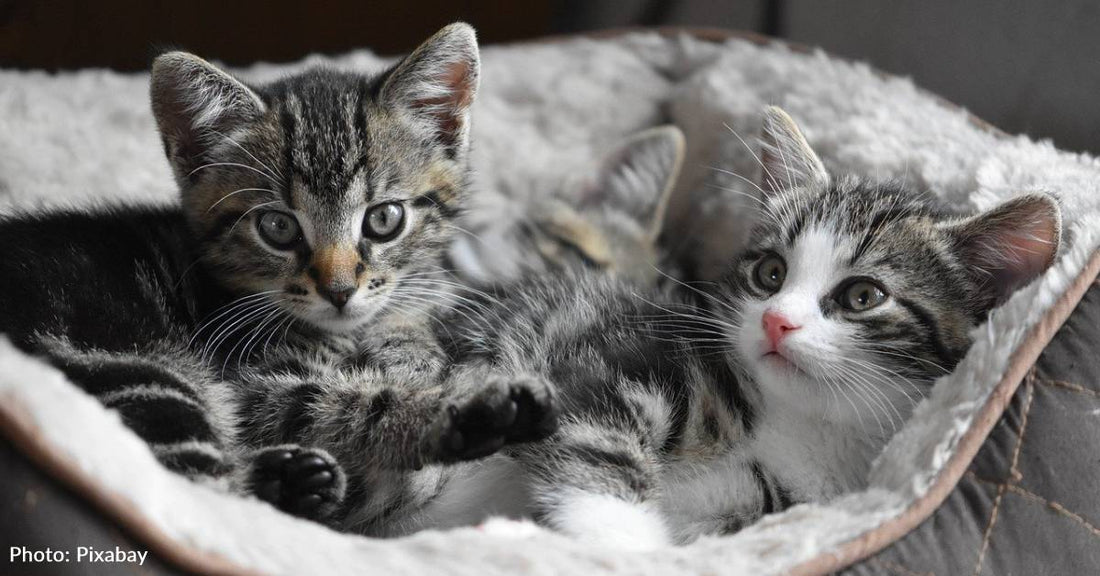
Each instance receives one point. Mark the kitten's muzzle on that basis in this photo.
(336, 270)
(338, 296)
(777, 326)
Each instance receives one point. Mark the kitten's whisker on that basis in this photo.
(286, 317)
(449, 300)
(716, 321)
(437, 271)
(870, 393)
(254, 328)
(183, 276)
(459, 286)
(226, 309)
(816, 369)
(468, 233)
(223, 198)
(438, 285)
(900, 353)
(411, 308)
(764, 207)
(270, 172)
(232, 325)
(234, 164)
(786, 167)
(708, 295)
(247, 212)
(885, 375)
(257, 333)
(472, 320)
(860, 391)
(764, 169)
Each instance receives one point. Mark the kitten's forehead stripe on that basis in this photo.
(288, 124)
(325, 121)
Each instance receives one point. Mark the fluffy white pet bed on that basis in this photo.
(545, 108)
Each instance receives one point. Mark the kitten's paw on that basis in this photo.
(305, 482)
(505, 412)
(537, 410)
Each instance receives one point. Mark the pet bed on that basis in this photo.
(946, 496)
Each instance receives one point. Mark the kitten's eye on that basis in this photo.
(861, 295)
(770, 273)
(383, 222)
(279, 229)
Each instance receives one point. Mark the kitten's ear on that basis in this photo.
(1010, 245)
(194, 101)
(788, 160)
(637, 177)
(436, 84)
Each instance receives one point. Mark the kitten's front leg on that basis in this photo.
(486, 411)
(376, 422)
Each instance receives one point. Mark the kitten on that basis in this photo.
(616, 208)
(779, 385)
(284, 303)
(608, 218)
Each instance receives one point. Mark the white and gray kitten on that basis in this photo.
(689, 416)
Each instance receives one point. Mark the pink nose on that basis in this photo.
(776, 327)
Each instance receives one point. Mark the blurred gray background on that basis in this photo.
(1026, 66)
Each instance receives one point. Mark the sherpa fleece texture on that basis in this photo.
(545, 110)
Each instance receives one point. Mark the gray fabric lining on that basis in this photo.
(1030, 502)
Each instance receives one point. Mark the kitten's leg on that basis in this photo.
(171, 402)
(597, 478)
(305, 482)
(487, 410)
(375, 423)
(161, 396)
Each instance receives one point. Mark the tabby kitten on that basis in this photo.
(607, 218)
(631, 184)
(285, 302)
(779, 385)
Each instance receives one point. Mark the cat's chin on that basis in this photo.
(345, 321)
(342, 324)
(774, 366)
(782, 379)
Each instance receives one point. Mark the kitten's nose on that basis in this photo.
(335, 269)
(776, 327)
(338, 295)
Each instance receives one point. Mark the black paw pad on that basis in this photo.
(537, 414)
(522, 411)
(304, 482)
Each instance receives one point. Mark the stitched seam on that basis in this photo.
(1015, 474)
(1030, 383)
(989, 529)
(1057, 507)
(1070, 386)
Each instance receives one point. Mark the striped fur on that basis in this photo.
(678, 419)
(273, 309)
